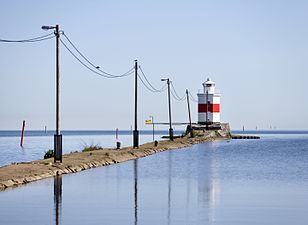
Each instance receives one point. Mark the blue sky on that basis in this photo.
(255, 51)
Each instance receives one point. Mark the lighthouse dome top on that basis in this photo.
(209, 86)
(209, 82)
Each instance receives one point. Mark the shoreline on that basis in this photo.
(22, 173)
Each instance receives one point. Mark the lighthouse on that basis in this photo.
(209, 105)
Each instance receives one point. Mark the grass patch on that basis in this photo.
(49, 154)
(196, 134)
(89, 148)
(73, 152)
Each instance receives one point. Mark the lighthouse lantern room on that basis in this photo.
(208, 104)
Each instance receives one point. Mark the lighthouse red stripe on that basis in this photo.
(213, 108)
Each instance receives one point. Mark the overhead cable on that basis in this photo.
(36, 39)
(95, 67)
(176, 97)
(144, 84)
(175, 94)
(191, 97)
(163, 88)
(89, 68)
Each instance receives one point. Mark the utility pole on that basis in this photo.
(136, 132)
(152, 117)
(57, 136)
(207, 111)
(170, 123)
(189, 117)
(169, 102)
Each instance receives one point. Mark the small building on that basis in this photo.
(209, 104)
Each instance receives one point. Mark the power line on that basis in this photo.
(95, 66)
(36, 39)
(144, 84)
(163, 88)
(89, 68)
(191, 97)
(176, 97)
(175, 94)
(149, 87)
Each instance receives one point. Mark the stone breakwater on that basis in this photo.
(23, 173)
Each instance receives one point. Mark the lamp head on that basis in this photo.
(47, 27)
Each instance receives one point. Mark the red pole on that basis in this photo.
(22, 133)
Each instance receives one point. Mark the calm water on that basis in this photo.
(228, 182)
(36, 143)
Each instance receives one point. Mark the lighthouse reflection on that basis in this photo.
(57, 198)
(208, 182)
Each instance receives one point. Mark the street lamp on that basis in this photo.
(169, 101)
(49, 27)
(57, 136)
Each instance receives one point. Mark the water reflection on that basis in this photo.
(208, 182)
(189, 190)
(206, 188)
(211, 183)
(169, 184)
(136, 190)
(57, 198)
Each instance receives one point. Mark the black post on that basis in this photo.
(136, 132)
(152, 118)
(207, 111)
(153, 130)
(170, 123)
(57, 136)
(189, 117)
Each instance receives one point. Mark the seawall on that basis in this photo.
(23, 173)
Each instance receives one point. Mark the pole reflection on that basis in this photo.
(136, 189)
(189, 190)
(169, 184)
(57, 198)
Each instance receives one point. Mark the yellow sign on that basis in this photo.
(148, 121)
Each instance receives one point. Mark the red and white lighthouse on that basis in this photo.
(208, 104)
